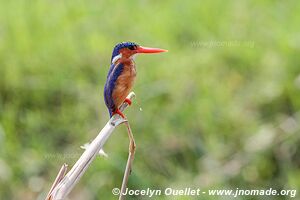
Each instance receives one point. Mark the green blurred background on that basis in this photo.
(220, 110)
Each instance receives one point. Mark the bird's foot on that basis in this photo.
(119, 113)
(128, 101)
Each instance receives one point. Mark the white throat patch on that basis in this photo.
(117, 57)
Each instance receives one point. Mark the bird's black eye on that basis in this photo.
(132, 47)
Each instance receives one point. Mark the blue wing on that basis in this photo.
(114, 72)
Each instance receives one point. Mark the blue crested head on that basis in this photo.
(118, 47)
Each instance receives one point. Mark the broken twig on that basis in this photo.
(63, 185)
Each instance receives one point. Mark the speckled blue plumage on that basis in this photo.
(114, 72)
(121, 46)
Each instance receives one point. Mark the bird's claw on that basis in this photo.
(128, 101)
(119, 113)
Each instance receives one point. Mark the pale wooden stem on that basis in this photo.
(62, 188)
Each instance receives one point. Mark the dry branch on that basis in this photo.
(63, 185)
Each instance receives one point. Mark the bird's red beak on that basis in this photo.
(141, 49)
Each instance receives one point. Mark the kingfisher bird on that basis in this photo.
(121, 75)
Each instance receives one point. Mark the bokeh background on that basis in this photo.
(220, 110)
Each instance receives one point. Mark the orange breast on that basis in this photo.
(124, 84)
